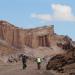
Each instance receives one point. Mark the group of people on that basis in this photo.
(24, 62)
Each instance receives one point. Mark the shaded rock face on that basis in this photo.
(59, 61)
(67, 44)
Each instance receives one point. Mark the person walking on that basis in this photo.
(24, 61)
(38, 60)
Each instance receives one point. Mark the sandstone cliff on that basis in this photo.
(11, 34)
(33, 38)
(18, 37)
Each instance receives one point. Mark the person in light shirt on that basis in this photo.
(38, 60)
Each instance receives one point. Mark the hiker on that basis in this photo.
(38, 60)
(24, 61)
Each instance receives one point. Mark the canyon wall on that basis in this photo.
(19, 37)
(11, 34)
(35, 37)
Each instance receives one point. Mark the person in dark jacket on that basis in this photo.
(24, 61)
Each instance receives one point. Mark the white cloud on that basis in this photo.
(46, 17)
(60, 12)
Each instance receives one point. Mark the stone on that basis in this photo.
(61, 60)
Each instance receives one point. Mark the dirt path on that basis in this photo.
(16, 69)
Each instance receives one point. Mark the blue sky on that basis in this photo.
(35, 13)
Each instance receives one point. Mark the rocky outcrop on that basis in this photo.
(35, 37)
(18, 37)
(59, 61)
(11, 34)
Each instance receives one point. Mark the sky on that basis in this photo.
(38, 13)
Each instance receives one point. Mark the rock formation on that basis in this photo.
(59, 61)
(13, 35)
(35, 37)
(18, 37)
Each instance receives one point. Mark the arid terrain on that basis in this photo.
(16, 69)
(40, 42)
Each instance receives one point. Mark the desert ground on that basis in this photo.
(16, 69)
